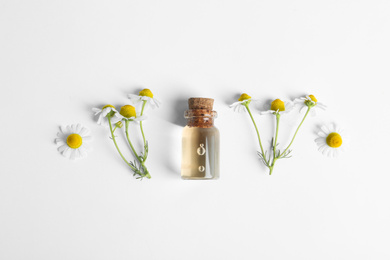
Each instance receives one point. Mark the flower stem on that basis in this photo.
(276, 133)
(116, 145)
(303, 119)
(146, 173)
(271, 168)
(142, 130)
(140, 123)
(257, 130)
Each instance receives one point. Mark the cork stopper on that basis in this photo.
(200, 112)
(201, 103)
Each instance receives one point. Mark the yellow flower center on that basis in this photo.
(146, 92)
(128, 111)
(107, 106)
(313, 98)
(244, 96)
(74, 141)
(277, 104)
(334, 140)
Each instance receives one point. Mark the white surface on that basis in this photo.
(60, 59)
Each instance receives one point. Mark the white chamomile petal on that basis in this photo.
(96, 110)
(320, 105)
(84, 131)
(235, 104)
(238, 106)
(140, 118)
(66, 152)
(325, 129)
(303, 109)
(267, 112)
(154, 103)
(59, 141)
(72, 141)
(289, 105)
(62, 129)
(321, 134)
(134, 98)
(62, 148)
(78, 128)
(87, 138)
(72, 154)
(83, 152)
(72, 129)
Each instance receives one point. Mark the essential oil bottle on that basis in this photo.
(200, 143)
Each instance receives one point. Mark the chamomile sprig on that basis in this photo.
(114, 119)
(241, 105)
(148, 100)
(277, 108)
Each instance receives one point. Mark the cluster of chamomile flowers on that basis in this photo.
(73, 140)
(114, 119)
(331, 139)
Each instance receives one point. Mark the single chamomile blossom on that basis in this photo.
(127, 112)
(332, 140)
(278, 107)
(243, 101)
(309, 101)
(103, 112)
(145, 95)
(72, 141)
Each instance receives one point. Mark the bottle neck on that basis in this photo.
(202, 118)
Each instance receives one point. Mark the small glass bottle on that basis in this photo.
(200, 143)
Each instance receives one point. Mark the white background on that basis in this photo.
(58, 59)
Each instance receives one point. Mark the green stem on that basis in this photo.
(303, 119)
(135, 153)
(276, 133)
(116, 145)
(140, 123)
(271, 168)
(257, 130)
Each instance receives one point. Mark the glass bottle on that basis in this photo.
(200, 142)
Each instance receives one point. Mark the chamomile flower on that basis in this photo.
(278, 107)
(309, 101)
(72, 141)
(145, 95)
(243, 100)
(127, 112)
(332, 140)
(103, 112)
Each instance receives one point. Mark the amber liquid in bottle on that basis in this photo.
(200, 142)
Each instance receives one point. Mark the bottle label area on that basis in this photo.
(200, 153)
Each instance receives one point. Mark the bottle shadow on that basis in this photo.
(171, 141)
(179, 105)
